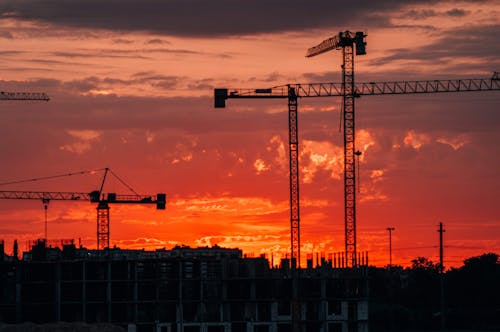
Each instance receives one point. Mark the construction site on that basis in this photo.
(212, 289)
(182, 289)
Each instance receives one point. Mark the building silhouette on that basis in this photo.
(179, 290)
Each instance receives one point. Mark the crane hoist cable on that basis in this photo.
(52, 177)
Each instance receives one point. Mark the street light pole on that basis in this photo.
(358, 153)
(391, 280)
(390, 229)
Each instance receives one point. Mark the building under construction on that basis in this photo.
(181, 290)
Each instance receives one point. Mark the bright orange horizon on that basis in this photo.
(136, 96)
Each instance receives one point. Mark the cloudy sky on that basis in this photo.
(131, 86)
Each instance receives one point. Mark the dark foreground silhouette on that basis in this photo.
(409, 298)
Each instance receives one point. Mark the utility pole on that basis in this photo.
(441, 274)
(391, 281)
(45, 203)
(390, 229)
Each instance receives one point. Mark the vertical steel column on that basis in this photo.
(57, 290)
(441, 276)
(294, 178)
(108, 290)
(19, 272)
(294, 207)
(349, 153)
(84, 291)
(102, 225)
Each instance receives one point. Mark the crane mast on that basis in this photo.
(294, 177)
(289, 92)
(347, 41)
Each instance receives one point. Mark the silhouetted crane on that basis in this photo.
(294, 91)
(348, 90)
(96, 196)
(347, 41)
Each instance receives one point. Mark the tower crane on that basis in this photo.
(346, 41)
(311, 90)
(97, 196)
(348, 90)
(23, 96)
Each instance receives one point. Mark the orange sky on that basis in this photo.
(131, 89)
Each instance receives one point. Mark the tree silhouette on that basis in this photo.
(409, 298)
(474, 292)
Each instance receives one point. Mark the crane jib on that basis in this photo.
(92, 197)
(360, 89)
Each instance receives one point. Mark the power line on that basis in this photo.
(51, 177)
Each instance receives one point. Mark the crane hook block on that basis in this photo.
(161, 201)
(220, 96)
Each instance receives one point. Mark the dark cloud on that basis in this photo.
(157, 41)
(122, 41)
(44, 30)
(47, 62)
(205, 18)
(456, 12)
(456, 112)
(6, 35)
(453, 112)
(170, 51)
(10, 52)
(91, 84)
(101, 112)
(70, 54)
(204, 84)
(480, 42)
(127, 53)
(421, 14)
(165, 83)
(28, 69)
